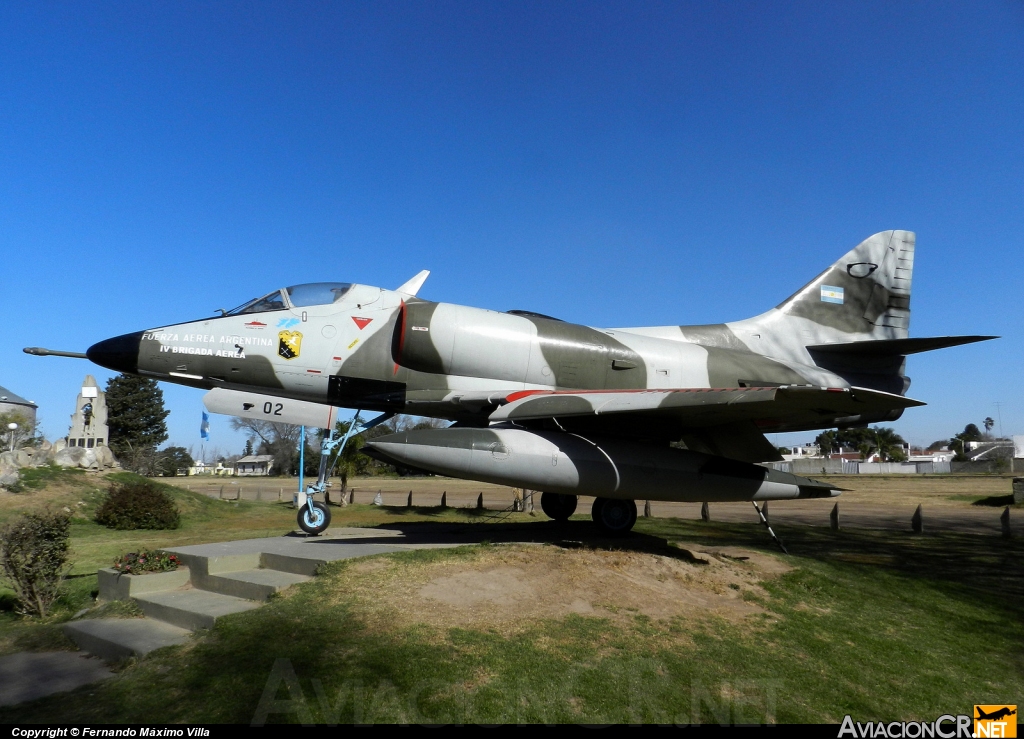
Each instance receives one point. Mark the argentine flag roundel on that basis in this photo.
(831, 294)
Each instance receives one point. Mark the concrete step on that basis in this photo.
(116, 638)
(257, 584)
(297, 565)
(192, 609)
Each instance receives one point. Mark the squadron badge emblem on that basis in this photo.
(290, 343)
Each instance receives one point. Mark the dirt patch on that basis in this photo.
(508, 587)
(67, 496)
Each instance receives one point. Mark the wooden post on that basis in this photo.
(351, 496)
(408, 503)
(1004, 520)
(444, 499)
(480, 502)
(917, 522)
(647, 509)
(764, 512)
(833, 518)
(221, 495)
(705, 514)
(280, 491)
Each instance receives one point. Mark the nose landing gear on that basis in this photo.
(314, 517)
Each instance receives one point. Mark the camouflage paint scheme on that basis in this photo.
(833, 354)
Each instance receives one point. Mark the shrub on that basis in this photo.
(138, 504)
(136, 563)
(34, 558)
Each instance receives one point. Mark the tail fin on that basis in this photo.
(865, 295)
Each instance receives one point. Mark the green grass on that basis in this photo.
(34, 478)
(204, 519)
(876, 624)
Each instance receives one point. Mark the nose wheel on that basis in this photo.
(614, 516)
(314, 517)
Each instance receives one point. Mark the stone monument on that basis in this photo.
(89, 421)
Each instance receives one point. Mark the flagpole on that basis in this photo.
(204, 434)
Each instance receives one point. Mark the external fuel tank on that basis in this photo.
(557, 462)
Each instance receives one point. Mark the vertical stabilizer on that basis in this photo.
(864, 295)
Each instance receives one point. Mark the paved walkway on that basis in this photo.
(26, 676)
(337, 543)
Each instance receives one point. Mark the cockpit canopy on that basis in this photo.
(296, 296)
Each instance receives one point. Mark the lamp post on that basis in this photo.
(12, 427)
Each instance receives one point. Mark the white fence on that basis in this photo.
(843, 467)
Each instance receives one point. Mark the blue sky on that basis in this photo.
(612, 164)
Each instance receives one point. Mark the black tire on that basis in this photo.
(614, 516)
(316, 521)
(558, 506)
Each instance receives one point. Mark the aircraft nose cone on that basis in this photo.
(120, 353)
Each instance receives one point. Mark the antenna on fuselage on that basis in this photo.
(413, 286)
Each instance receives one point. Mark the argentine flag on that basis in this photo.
(204, 427)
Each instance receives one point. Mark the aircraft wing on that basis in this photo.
(730, 422)
(713, 405)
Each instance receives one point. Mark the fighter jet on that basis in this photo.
(674, 413)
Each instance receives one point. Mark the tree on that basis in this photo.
(136, 418)
(248, 451)
(970, 433)
(989, 423)
(889, 445)
(884, 440)
(24, 435)
(958, 442)
(34, 559)
(172, 459)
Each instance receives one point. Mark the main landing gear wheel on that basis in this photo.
(314, 518)
(614, 516)
(557, 505)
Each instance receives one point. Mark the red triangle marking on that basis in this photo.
(362, 322)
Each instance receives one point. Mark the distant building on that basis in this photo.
(804, 451)
(846, 456)
(202, 468)
(13, 403)
(987, 451)
(254, 464)
(942, 455)
(89, 421)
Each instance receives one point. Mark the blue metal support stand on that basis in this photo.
(332, 443)
(302, 455)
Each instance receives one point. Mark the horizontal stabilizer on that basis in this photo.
(896, 347)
